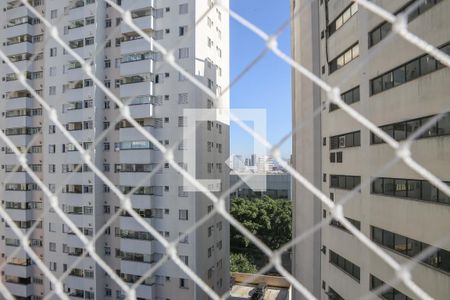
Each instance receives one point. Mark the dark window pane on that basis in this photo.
(349, 140)
(349, 182)
(375, 36)
(433, 259)
(339, 157)
(400, 131)
(377, 186)
(375, 282)
(348, 267)
(334, 181)
(400, 244)
(446, 49)
(388, 239)
(385, 29)
(375, 139)
(333, 157)
(357, 138)
(414, 247)
(388, 295)
(443, 127)
(399, 76)
(356, 94)
(399, 296)
(431, 131)
(389, 130)
(388, 81)
(414, 189)
(388, 186)
(341, 262)
(377, 85)
(443, 198)
(400, 187)
(412, 126)
(342, 182)
(412, 70)
(377, 235)
(429, 192)
(427, 65)
(444, 257)
(356, 272)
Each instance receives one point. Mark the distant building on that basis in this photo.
(278, 186)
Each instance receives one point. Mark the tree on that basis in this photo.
(268, 219)
(241, 263)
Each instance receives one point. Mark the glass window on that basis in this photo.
(429, 192)
(388, 81)
(357, 138)
(444, 258)
(388, 186)
(400, 187)
(427, 65)
(399, 76)
(412, 70)
(377, 186)
(349, 140)
(431, 131)
(443, 127)
(400, 244)
(443, 198)
(414, 189)
(400, 131)
(388, 239)
(356, 94)
(375, 36)
(414, 247)
(349, 182)
(342, 182)
(389, 129)
(385, 29)
(377, 85)
(412, 126)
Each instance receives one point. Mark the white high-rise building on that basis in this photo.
(157, 94)
(399, 88)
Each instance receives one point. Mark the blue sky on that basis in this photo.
(268, 84)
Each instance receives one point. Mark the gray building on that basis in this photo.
(397, 87)
(277, 186)
(157, 95)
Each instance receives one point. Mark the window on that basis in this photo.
(53, 14)
(342, 18)
(338, 224)
(402, 130)
(348, 97)
(390, 293)
(344, 182)
(182, 30)
(183, 53)
(417, 67)
(348, 140)
(409, 188)
(439, 259)
(53, 52)
(52, 247)
(346, 57)
(52, 71)
(345, 265)
(52, 90)
(183, 9)
(383, 29)
(183, 214)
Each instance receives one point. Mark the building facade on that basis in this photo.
(157, 96)
(397, 87)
